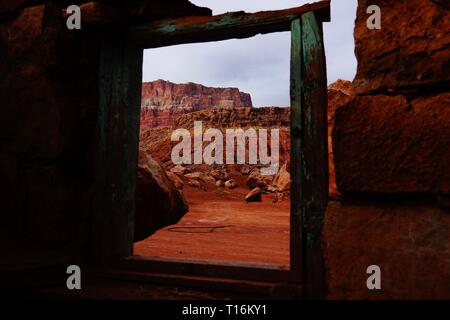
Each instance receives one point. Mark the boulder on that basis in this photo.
(254, 195)
(175, 179)
(282, 180)
(159, 202)
(339, 94)
(256, 179)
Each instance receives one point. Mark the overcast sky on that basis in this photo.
(258, 65)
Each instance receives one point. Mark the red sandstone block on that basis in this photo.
(386, 144)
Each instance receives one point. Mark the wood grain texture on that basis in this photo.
(222, 27)
(117, 148)
(296, 243)
(314, 153)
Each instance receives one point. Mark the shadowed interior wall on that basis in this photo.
(49, 107)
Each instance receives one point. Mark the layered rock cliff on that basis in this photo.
(158, 143)
(163, 101)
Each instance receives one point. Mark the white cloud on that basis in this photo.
(258, 65)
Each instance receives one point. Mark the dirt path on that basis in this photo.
(231, 230)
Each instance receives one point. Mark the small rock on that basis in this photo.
(254, 195)
(279, 196)
(256, 179)
(202, 176)
(194, 175)
(220, 184)
(178, 169)
(175, 179)
(230, 184)
(195, 184)
(219, 174)
(282, 180)
(245, 169)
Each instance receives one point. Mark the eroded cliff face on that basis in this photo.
(163, 101)
(157, 140)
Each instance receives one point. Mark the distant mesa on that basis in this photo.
(163, 101)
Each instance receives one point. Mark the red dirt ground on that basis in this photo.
(231, 230)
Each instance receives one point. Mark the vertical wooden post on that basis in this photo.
(314, 153)
(296, 219)
(120, 80)
(309, 138)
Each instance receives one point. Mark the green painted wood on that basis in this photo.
(314, 152)
(117, 148)
(118, 129)
(222, 27)
(296, 236)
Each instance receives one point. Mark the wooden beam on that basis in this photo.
(117, 148)
(226, 26)
(314, 153)
(231, 270)
(296, 242)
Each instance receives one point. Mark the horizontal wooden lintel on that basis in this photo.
(233, 25)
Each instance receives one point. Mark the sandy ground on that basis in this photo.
(221, 227)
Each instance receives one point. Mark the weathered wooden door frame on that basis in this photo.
(120, 79)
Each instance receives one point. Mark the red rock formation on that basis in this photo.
(397, 146)
(163, 101)
(390, 145)
(410, 49)
(339, 94)
(155, 193)
(398, 125)
(157, 140)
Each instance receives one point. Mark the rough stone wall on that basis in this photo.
(48, 106)
(392, 155)
(48, 112)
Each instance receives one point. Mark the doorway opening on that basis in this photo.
(118, 131)
(238, 211)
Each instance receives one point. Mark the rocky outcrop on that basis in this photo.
(237, 118)
(282, 180)
(163, 101)
(340, 93)
(159, 202)
(157, 140)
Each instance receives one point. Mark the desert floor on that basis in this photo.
(221, 227)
